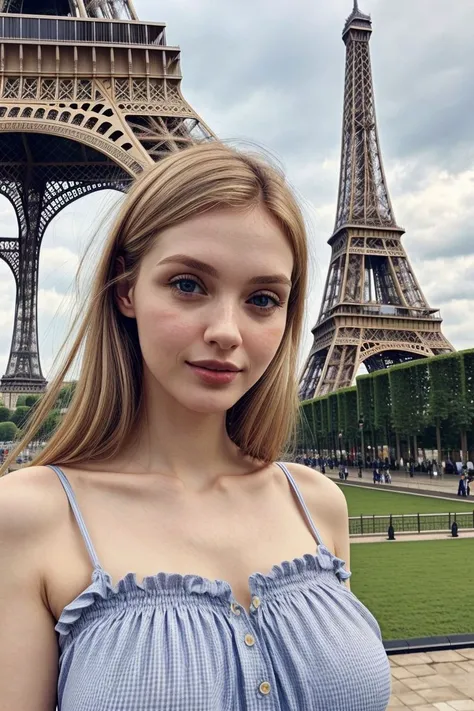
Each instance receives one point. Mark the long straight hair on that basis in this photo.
(106, 405)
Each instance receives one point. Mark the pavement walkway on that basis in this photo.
(434, 681)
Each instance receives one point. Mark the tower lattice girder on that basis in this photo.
(87, 102)
(373, 309)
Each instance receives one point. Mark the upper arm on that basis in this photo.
(28, 643)
(326, 500)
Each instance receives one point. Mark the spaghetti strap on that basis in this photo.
(75, 508)
(299, 495)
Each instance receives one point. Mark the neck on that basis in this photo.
(191, 447)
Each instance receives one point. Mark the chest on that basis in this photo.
(228, 535)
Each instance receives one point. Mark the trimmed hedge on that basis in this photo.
(431, 400)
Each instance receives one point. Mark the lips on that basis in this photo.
(215, 375)
(216, 366)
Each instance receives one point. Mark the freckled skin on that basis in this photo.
(220, 319)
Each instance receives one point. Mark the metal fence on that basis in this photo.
(410, 523)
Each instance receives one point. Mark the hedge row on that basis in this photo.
(427, 403)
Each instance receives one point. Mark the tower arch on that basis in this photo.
(79, 112)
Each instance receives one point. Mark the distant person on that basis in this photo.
(462, 486)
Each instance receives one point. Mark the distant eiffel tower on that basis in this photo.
(89, 97)
(373, 311)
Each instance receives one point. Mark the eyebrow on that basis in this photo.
(211, 271)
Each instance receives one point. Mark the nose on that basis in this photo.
(222, 328)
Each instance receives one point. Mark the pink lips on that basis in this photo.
(213, 373)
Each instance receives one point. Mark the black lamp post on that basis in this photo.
(362, 446)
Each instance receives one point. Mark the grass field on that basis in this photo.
(366, 502)
(416, 589)
(378, 505)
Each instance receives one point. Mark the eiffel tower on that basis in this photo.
(89, 97)
(373, 310)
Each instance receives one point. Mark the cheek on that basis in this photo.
(164, 328)
(265, 342)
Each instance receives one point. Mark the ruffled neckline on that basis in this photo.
(169, 584)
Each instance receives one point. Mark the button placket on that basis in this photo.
(236, 609)
(256, 602)
(265, 688)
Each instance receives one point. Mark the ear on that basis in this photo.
(123, 290)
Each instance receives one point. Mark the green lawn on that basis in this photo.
(366, 502)
(416, 589)
(377, 507)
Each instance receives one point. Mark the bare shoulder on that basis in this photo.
(318, 490)
(30, 500)
(327, 505)
(28, 646)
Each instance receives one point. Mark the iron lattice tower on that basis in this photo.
(89, 97)
(373, 310)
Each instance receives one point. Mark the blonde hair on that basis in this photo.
(106, 403)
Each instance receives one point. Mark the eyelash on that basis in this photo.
(277, 303)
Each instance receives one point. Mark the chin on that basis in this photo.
(209, 403)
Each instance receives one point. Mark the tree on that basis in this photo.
(468, 359)
(347, 415)
(65, 395)
(429, 397)
(383, 407)
(445, 389)
(49, 425)
(325, 422)
(30, 400)
(409, 387)
(20, 416)
(319, 419)
(5, 414)
(332, 420)
(366, 407)
(8, 431)
(21, 402)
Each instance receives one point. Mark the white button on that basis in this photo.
(249, 640)
(265, 688)
(235, 608)
(256, 601)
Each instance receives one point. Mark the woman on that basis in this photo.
(165, 461)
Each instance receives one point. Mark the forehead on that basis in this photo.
(229, 239)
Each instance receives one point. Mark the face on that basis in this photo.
(211, 303)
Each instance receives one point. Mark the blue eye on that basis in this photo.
(265, 301)
(185, 286)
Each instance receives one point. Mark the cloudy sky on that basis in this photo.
(271, 72)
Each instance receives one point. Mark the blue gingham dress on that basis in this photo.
(183, 643)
